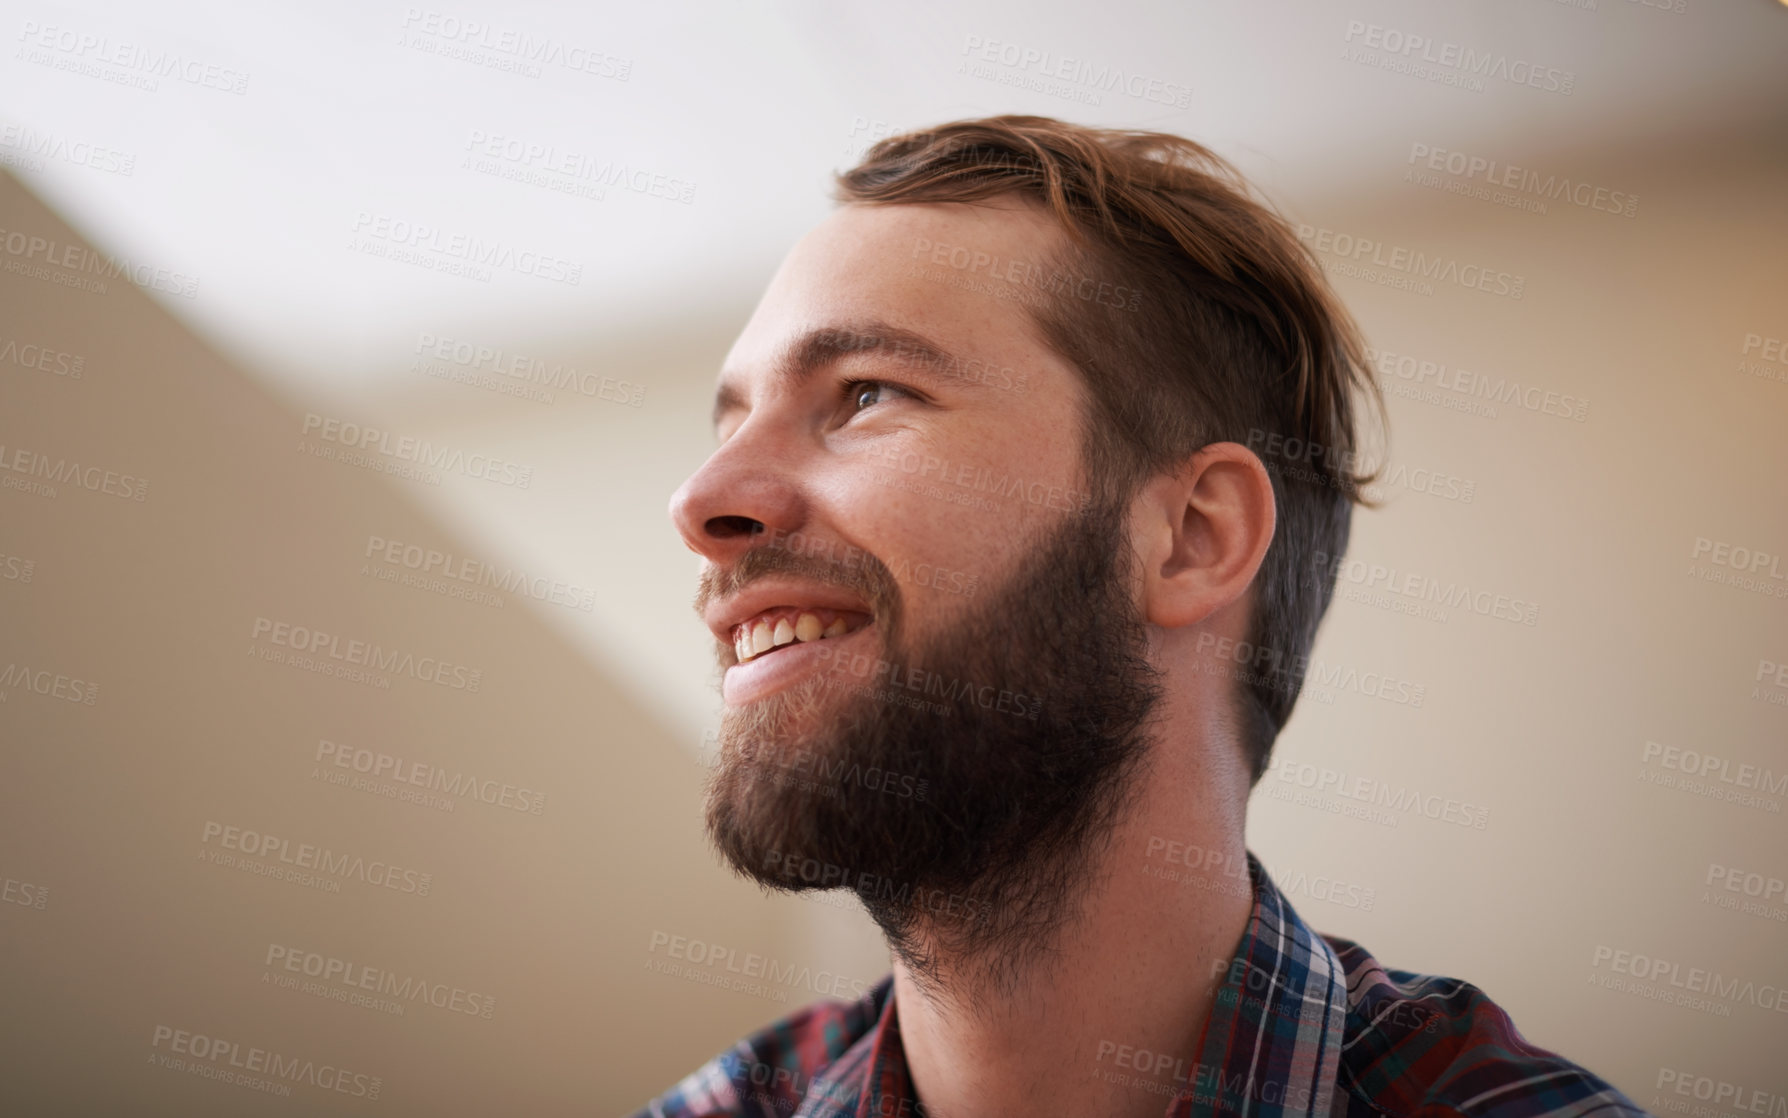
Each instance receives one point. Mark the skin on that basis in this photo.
(1135, 966)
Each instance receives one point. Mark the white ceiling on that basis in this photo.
(258, 194)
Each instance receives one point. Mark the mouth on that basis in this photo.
(773, 630)
(781, 647)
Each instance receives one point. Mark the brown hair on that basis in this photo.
(1229, 333)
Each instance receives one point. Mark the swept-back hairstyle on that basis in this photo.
(1195, 316)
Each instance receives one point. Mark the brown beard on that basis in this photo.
(966, 820)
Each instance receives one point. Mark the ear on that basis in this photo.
(1201, 532)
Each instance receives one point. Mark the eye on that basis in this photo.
(864, 394)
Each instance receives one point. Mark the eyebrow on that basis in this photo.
(824, 345)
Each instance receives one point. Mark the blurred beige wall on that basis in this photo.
(1567, 738)
(1604, 502)
(177, 825)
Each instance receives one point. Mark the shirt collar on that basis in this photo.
(1272, 1045)
(869, 1079)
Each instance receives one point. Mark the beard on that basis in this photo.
(962, 786)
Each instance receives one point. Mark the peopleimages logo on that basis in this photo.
(1402, 50)
(1722, 1094)
(226, 1060)
(121, 61)
(1368, 789)
(516, 374)
(1475, 169)
(1749, 883)
(40, 681)
(29, 248)
(1263, 664)
(507, 48)
(1775, 674)
(302, 861)
(1423, 374)
(735, 969)
(23, 893)
(434, 569)
(897, 677)
(360, 441)
(31, 355)
(567, 171)
(1409, 269)
(1078, 79)
(460, 253)
(16, 568)
(1026, 274)
(1749, 560)
(974, 478)
(399, 989)
(31, 142)
(1724, 770)
(314, 643)
(380, 766)
(30, 465)
(871, 887)
(1669, 981)
(1423, 589)
(1770, 349)
(1166, 1074)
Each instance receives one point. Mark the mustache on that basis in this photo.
(861, 573)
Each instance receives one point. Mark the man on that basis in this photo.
(1006, 602)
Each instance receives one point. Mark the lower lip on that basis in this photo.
(754, 679)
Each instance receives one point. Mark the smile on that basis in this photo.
(785, 625)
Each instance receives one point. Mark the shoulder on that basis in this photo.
(770, 1071)
(1418, 1044)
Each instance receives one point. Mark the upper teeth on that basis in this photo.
(754, 639)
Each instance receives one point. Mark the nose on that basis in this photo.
(747, 488)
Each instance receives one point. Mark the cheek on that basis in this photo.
(946, 529)
(950, 516)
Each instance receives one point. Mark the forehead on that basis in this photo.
(936, 269)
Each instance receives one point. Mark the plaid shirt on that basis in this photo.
(1303, 1024)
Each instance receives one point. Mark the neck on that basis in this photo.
(1164, 904)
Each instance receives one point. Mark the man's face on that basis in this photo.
(943, 470)
(934, 675)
